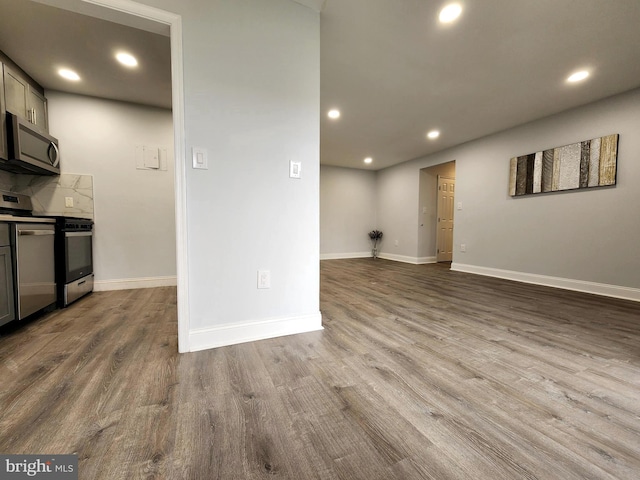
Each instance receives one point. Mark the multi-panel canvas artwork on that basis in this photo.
(587, 164)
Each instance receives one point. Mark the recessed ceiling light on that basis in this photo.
(69, 74)
(334, 113)
(433, 134)
(578, 76)
(449, 13)
(127, 59)
(368, 160)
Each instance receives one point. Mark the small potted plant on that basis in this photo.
(375, 236)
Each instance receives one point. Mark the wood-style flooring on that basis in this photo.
(420, 373)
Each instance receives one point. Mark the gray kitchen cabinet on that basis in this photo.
(39, 114)
(7, 311)
(16, 93)
(7, 308)
(4, 151)
(24, 99)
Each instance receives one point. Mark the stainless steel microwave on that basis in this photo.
(30, 149)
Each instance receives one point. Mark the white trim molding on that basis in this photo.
(425, 260)
(399, 258)
(615, 291)
(232, 334)
(385, 256)
(344, 256)
(133, 283)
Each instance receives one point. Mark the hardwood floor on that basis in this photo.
(420, 373)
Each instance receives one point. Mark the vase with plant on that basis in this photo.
(375, 236)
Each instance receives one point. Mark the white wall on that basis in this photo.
(397, 203)
(347, 212)
(251, 98)
(588, 237)
(134, 236)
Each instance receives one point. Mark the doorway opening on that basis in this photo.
(139, 16)
(436, 213)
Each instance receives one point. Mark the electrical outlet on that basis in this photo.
(459, 205)
(396, 243)
(68, 202)
(463, 247)
(264, 279)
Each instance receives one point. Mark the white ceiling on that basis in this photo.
(396, 73)
(41, 39)
(388, 65)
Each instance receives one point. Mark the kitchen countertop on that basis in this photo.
(13, 218)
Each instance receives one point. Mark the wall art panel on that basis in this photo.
(587, 164)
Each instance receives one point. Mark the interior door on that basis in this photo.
(445, 203)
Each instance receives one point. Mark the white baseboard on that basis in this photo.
(386, 256)
(343, 256)
(133, 283)
(399, 258)
(224, 335)
(603, 289)
(425, 260)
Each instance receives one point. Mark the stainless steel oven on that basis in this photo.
(74, 258)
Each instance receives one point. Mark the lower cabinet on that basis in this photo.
(4, 150)
(7, 308)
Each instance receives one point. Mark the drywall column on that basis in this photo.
(251, 99)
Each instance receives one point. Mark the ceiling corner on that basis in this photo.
(315, 5)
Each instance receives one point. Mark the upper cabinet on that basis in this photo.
(4, 152)
(16, 93)
(24, 99)
(38, 105)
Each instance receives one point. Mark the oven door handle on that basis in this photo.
(36, 232)
(78, 234)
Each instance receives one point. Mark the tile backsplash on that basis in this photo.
(48, 194)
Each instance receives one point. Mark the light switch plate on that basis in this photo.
(200, 160)
(264, 279)
(294, 169)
